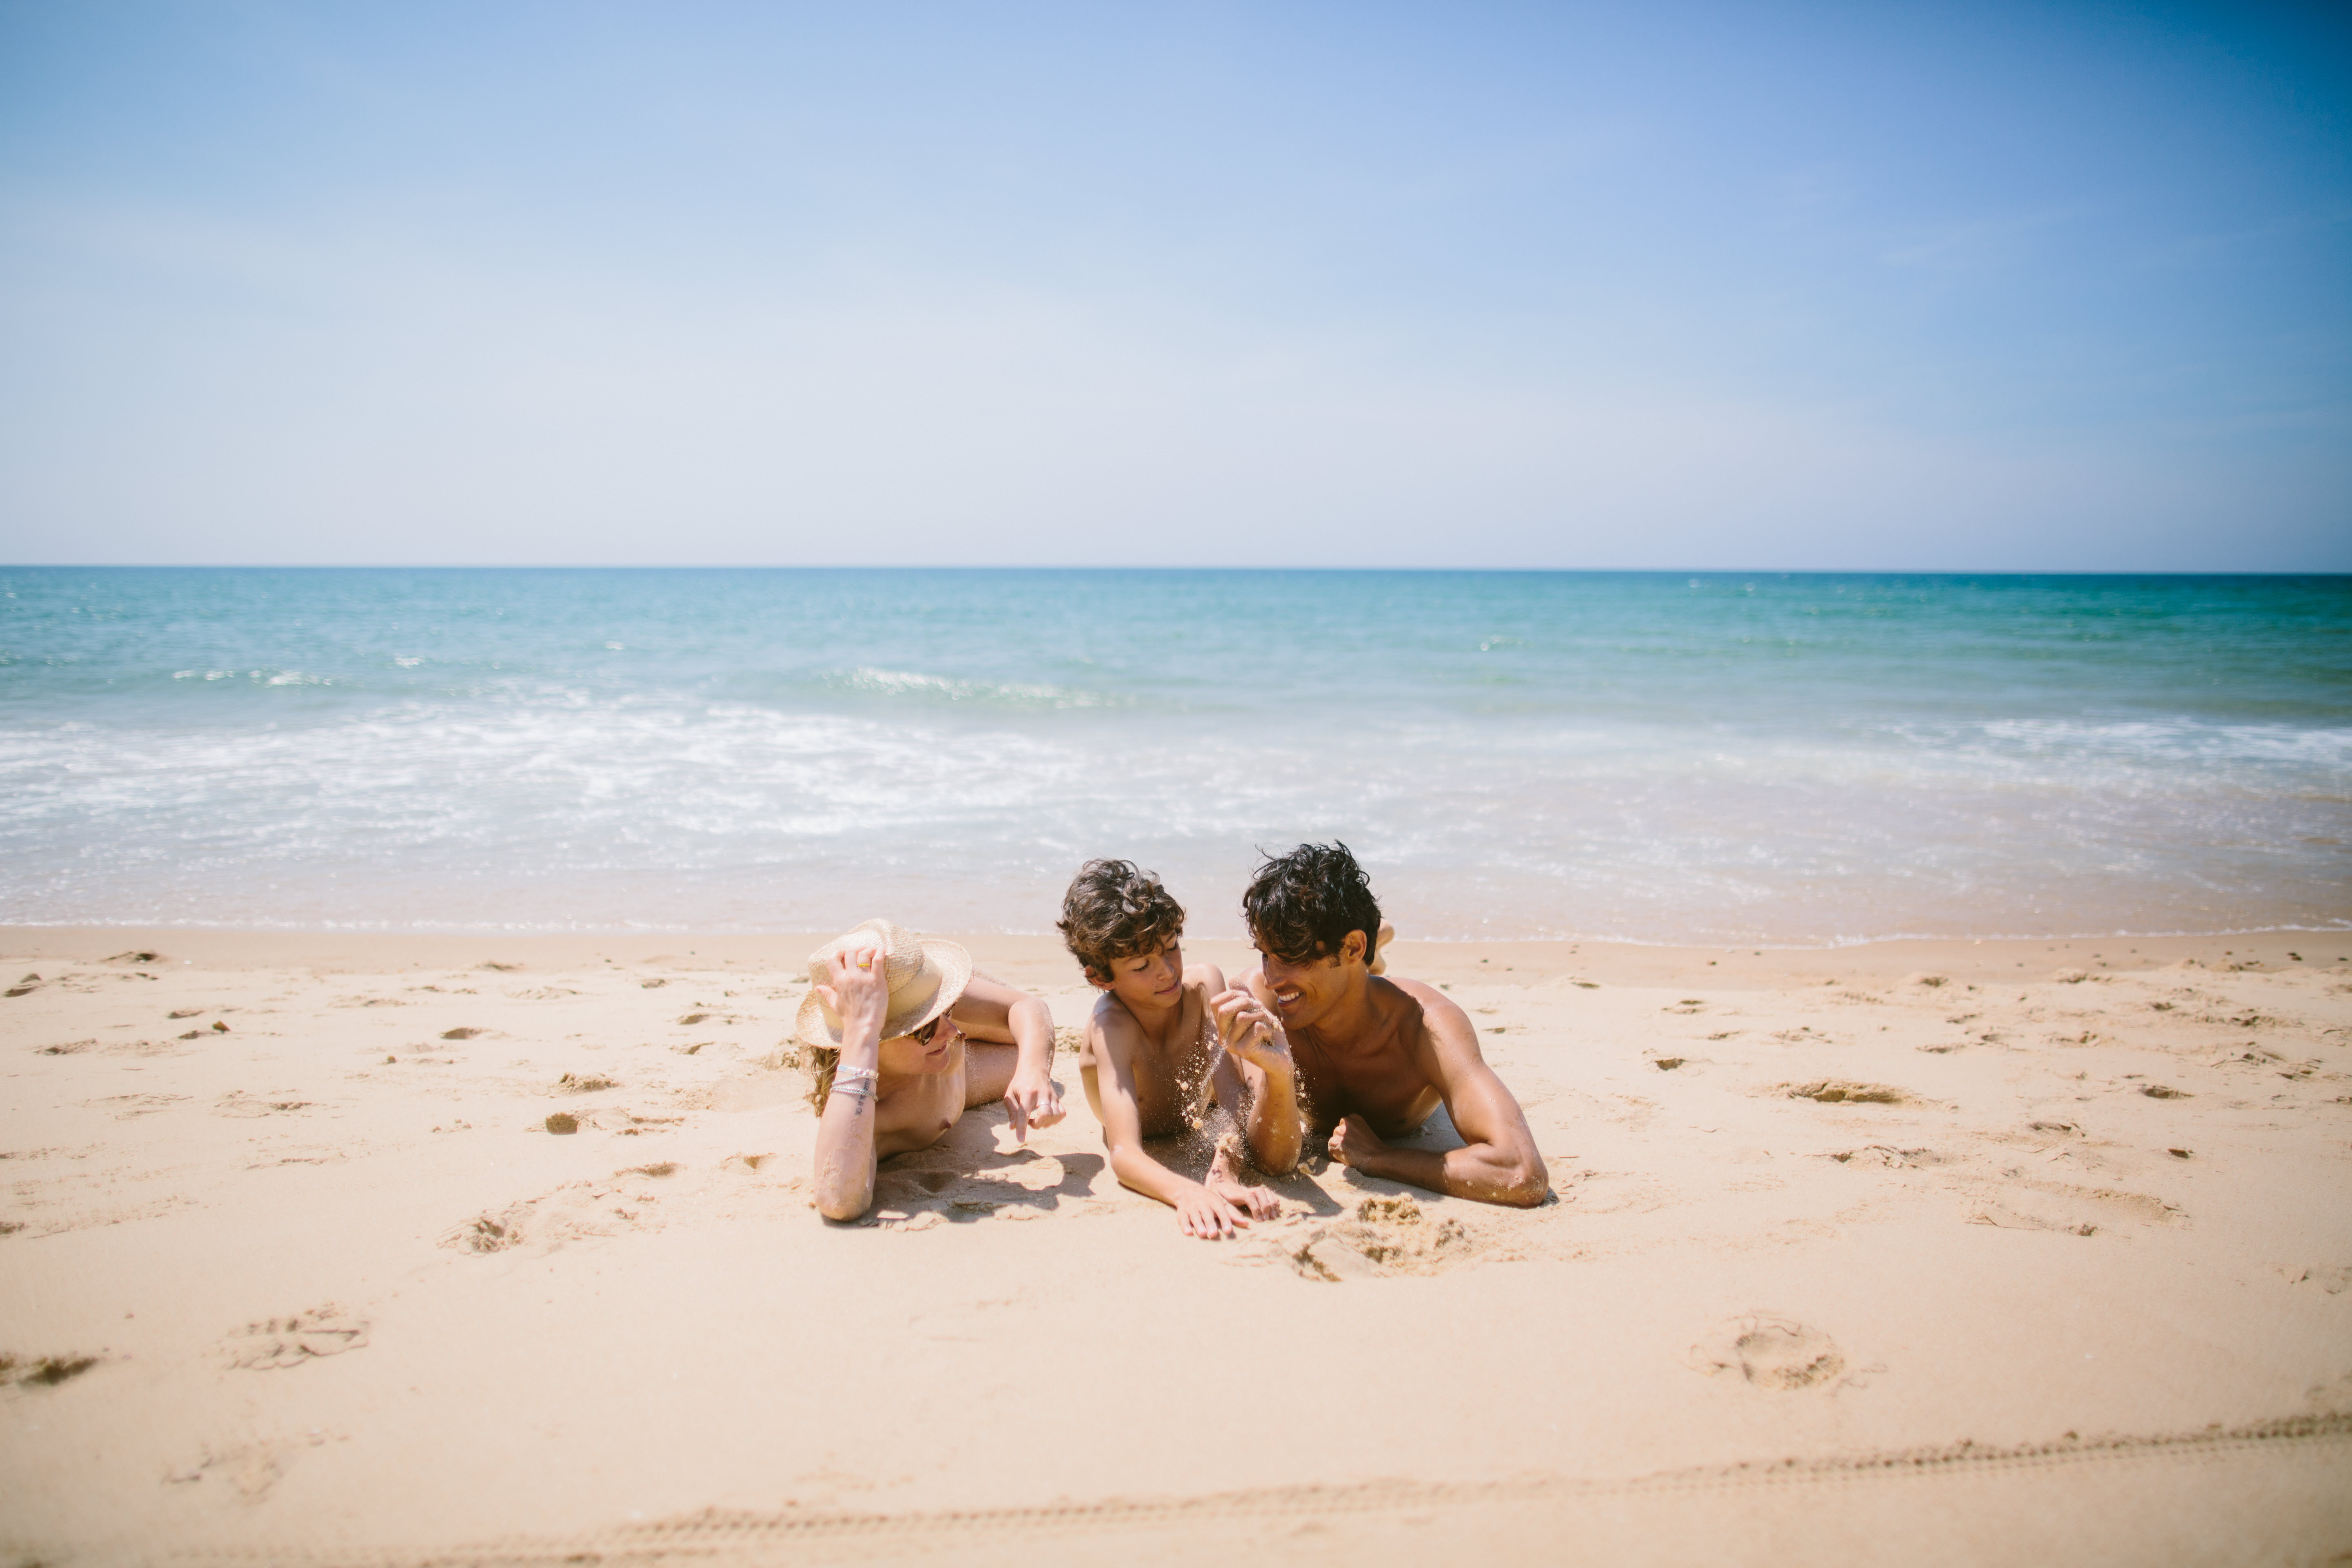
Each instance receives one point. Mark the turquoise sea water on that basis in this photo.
(1662, 758)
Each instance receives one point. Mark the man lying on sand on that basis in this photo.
(903, 1039)
(1374, 1057)
(1152, 1061)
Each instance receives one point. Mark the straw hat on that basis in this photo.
(926, 976)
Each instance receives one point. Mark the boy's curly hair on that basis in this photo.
(1114, 910)
(1301, 906)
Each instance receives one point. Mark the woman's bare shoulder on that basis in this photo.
(916, 1121)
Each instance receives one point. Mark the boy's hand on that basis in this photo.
(1225, 1180)
(859, 993)
(1353, 1141)
(1202, 1213)
(1251, 1032)
(1033, 1099)
(1257, 1202)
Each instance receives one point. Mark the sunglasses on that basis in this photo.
(929, 1032)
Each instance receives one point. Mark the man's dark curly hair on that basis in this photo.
(1115, 909)
(1301, 906)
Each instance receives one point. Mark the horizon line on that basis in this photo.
(1155, 566)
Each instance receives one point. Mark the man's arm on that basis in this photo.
(1272, 1125)
(1198, 1211)
(1498, 1163)
(993, 1011)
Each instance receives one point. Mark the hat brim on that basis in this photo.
(811, 1026)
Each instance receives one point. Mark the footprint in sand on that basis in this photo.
(42, 1371)
(620, 1120)
(237, 1102)
(1889, 1156)
(2007, 1216)
(1385, 1236)
(2027, 1205)
(1770, 1352)
(250, 1469)
(126, 1106)
(573, 1212)
(489, 1232)
(1843, 1091)
(2334, 1282)
(142, 1049)
(290, 1342)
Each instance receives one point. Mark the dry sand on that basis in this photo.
(1911, 1252)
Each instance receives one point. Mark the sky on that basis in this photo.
(1792, 287)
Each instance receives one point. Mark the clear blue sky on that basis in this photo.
(1971, 287)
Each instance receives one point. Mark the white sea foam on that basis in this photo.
(1006, 693)
(641, 809)
(1508, 759)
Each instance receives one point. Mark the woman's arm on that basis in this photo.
(993, 1011)
(859, 993)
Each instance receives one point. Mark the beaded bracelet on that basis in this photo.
(855, 1081)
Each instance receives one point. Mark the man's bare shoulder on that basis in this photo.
(1205, 978)
(1435, 1005)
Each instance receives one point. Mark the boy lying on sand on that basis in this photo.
(902, 1039)
(1153, 1059)
(1374, 1057)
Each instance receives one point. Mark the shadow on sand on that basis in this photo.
(965, 1177)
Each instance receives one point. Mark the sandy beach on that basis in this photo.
(1916, 1252)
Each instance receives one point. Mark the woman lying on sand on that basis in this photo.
(903, 1039)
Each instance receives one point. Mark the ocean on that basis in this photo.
(1748, 758)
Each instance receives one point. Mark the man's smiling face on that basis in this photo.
(1306, 989)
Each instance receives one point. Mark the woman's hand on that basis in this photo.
(859, 991)
(1032, 1099)
(1250, 1031)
